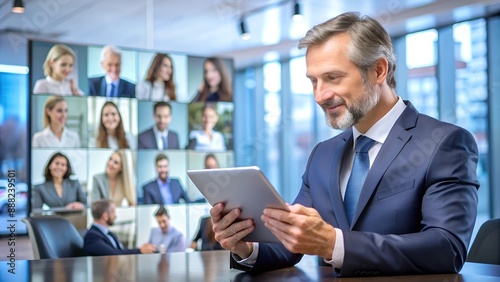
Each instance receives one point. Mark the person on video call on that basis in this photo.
(111, 132)
(111, 85)
(160, 136)
(206, 138)
(159, 83)
(116, 182)
(215, 86)
(207, 236)
(57, 67)
(58, 190)
(55, 132)
(99, 241)
(415, 210)
(163, 190)
(166, 237)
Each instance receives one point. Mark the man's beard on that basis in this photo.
(110, 221)
(355, 112)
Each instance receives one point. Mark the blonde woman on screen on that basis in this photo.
(55, 133)
(116, 182)
(57, 67)
(159, 83)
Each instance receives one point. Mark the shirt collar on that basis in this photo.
(109, 81)
(51, 80)
(160, 182)
(101, 227)
(160, 133)
(380, 130)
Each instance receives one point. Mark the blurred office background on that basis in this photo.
(447, 54)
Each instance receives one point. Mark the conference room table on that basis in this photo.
(203, 266)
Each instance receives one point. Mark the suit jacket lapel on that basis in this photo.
(158, 192)
(120, 88)
(103, 87)
(335, 195)
(394, 143)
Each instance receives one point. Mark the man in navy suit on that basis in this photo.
(111, 85)
(163, 190)
(99, 241)
(416, 203)
(160, 137)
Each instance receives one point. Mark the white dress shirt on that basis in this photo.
(155, 92)
(113, 142)
(48, 85)
(47, 138)
(159, 137)
(203, 143)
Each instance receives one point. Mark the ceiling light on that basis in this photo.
(297, 16)
(18, 6)
(245, 35)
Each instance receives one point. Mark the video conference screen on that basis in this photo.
(120, 124)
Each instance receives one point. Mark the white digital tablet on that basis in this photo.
(245, 188)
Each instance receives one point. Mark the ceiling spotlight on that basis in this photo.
(245, 35)
(297, 16)
(18, 6)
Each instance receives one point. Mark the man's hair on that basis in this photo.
(160, 157)
(162, 104)
(162, 211)
(369, 41)
(100, 207)
(110, 50)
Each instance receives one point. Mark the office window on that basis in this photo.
(13, 145)
(421, 61)
(472, 94)
(301, 122)
(270, 135)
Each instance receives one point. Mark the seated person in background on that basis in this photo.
(159, 83)
(58, 190)
(166, 238)
(159, 136)
(111, 132)
(207, 236)
(99, 241)
(215, 86)
(207, 139)
(55, 132)
(57, 67)
(163, 190)
(116, 182)
(394, 194)
(111, 85)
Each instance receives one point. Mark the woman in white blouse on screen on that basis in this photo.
(111, 133)
(55, 133)
(57, 67)
(159, 83)
(207, 139)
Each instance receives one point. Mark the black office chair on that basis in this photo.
(53, 237)
(486, 246)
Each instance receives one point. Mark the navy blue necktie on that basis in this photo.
(112, 91)
(165, 142)
(360, 168)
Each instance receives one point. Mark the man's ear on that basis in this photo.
(381, 68)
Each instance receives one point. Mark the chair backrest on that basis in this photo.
(53, 237)
(486, 246)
